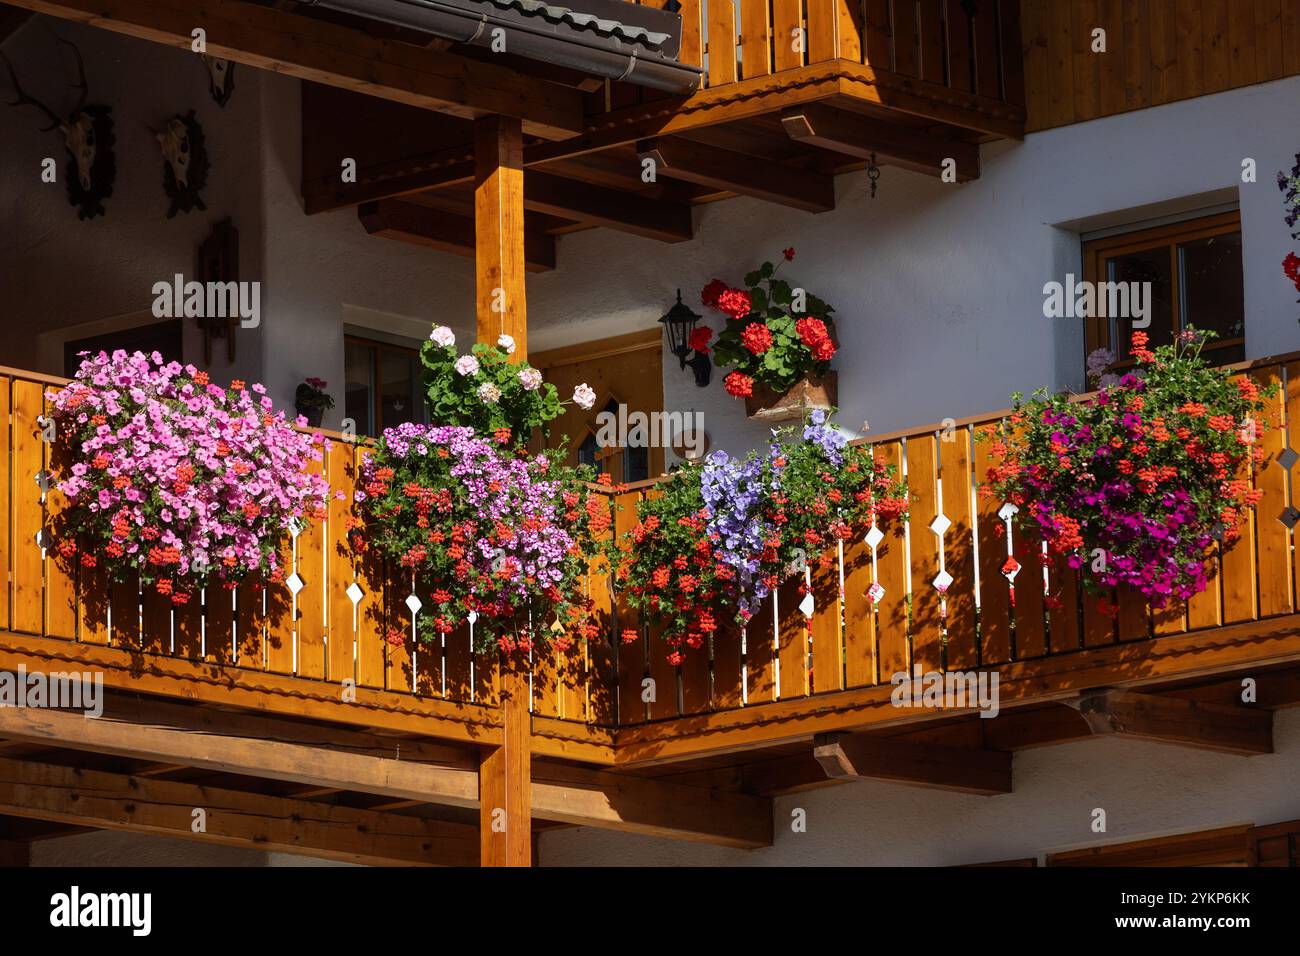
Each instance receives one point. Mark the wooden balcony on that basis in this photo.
(270, 652)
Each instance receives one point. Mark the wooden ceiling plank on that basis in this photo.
(963, 769)
(1177, 720)
(718, 168)
(612, 208)
(313, 49)
(854, 135)
(444, 231)
(231, 817)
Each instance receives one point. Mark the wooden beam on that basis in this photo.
(815, 124)
(500, 306)
(328, 759)
(602, 206)
(230, 817)
(964, 769)
(505, 777)
(1176, 720)
(11, 18)
(718, 168)
(314, 49)
(444, 231)
(575, 795)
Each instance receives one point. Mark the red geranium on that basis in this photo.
(735, 303)
(699, 339)
(739, 385)
(1291, 268)
(757, 337)
(788, 253)
(710, 293)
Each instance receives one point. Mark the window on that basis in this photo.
(383, 385)
(1194, 268)
(164, 337)
(635, 460)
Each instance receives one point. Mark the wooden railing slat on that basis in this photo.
(927, 627)
(826, 632)
(959, 548)
(632, 654)
(859, 618)
(1273, 537)
(28, 516)
(722, 42)
(933, 58)
(995, 592)
(755, 39)
(792, 640)
(891, 621)
(787, 17)
(340, 565)
(760, 655)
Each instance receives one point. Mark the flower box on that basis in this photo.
(809, 393)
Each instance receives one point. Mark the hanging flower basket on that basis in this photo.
(779, 338)
(810, 393)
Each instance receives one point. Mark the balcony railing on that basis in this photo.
(267, 648)
(968, 48)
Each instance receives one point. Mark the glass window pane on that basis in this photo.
(1212, 285)
(1150, 265)
(359, 387)
(399, 389)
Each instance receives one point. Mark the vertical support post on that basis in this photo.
(499, 230)
(505, 780)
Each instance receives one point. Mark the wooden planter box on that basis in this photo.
(805, 395)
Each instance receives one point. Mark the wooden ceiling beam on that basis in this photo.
(325, 758)
(612, 208)
(1175, 720)
(231, 817)
(315, 49)
(444, 231)
(725, 169)
(864, 756)
(11, 18)
(816, 124)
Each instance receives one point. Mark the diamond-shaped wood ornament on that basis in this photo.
(557, 627)
(1010, 568)
(1290, 516)
(1288, 458)
(874, 537)
(414, 603)
(472, 616)
(354, 593)
(940, 524)
(807, 605)
(1217, 531)
(943, 580)
(43, 540)
(295, 583)
(43, 480)
(295, 527)
(1008, 511)
(876, 592)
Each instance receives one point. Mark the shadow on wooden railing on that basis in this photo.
(319, 635)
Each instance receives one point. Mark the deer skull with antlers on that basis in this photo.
(221, 78)
(185, 162)
(88, 136)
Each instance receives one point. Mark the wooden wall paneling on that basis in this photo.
(755, 39)
(958, 34)
(934, 65)
(787, 18)
(1216, 43)
(760, 654)
(1037, 79)
(893, 644)
(1241, 43)
(1086, 64)
(878, 45)
(827, 638)
(907, 39)
(1273, 537)
(1188, 19)
(722, 42)
(1290, 37)
(1112, 93)
(1162, 36)
(1013, 66)
(792, 640)
(823, 30)
(987, 57)
(995, 592)
(927, 628)
(955, 477)
(1269, 61)
(1060, 52)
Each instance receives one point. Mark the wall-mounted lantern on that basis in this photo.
(680, 323)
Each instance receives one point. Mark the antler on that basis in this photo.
(81, 76)
(25, 100)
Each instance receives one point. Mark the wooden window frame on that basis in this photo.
(376, 402)
(1098, 252)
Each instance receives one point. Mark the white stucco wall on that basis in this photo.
(1146, 789)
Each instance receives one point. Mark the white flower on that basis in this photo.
(583, 396)
(467, 365)
(489, 393)
(441, 335)
(507, 343)
(530, 378)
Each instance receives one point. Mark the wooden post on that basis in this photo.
(505, 785)
(499, 230)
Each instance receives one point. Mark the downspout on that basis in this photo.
(632, 62)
